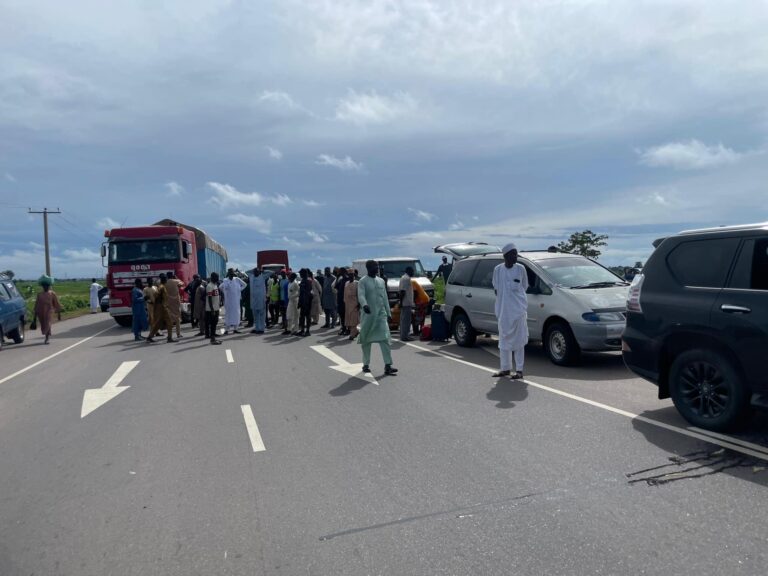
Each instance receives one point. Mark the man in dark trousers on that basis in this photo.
(212, 307)
(305, 302)
(191, 291)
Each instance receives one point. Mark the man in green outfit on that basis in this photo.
(374, 322)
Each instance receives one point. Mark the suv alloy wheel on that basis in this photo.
(707, 390)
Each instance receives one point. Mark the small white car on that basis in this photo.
(574, 303)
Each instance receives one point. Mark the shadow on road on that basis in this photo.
(352, 385)
(696, 459)
(507, 392)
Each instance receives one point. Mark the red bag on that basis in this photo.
(426, 332)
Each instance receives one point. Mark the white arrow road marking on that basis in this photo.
(95, 397)
(253, 430)
(355, 370)
(230, 359)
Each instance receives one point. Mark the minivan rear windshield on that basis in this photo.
(579, 273)
(396, 268)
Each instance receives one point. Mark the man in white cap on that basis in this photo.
(510, 282)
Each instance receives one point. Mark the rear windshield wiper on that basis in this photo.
(599, 285)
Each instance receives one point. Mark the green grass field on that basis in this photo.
(73, 295)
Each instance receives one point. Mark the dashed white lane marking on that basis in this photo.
(230, 359)
(253, 430)
(754, 450)
(19, 372)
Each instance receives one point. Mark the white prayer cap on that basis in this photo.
(508, 247)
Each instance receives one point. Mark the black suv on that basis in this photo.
(697, 322)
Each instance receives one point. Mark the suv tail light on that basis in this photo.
(633, 298)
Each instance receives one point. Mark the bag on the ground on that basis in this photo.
(426, 333)
(440, 329)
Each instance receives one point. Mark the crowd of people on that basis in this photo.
(292, 303)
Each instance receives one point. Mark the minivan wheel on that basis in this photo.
(560, 344)
(463, 332)
(707, 390)
(18, 334)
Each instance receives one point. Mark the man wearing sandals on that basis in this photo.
(510, 282)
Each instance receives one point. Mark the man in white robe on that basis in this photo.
(510, 282)
(95, 287)
(230, 288)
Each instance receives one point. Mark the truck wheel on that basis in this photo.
(708, 391)
(124, 321)
(560, 345)
(18, 334)
(463, 332)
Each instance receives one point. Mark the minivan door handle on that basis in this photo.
(731, 309)
(468, 295)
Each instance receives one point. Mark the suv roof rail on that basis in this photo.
(735, 228)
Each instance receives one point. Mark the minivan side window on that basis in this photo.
(751, 271)
(462, 273)
(483, 276)
(535, 281)
(702, 263)
(3, 293)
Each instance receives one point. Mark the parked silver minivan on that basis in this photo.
(574, 303)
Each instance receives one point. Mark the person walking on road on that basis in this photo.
(212, 307)
(138, 309)
(258, 300)
(199, 297)
(160, 312)
(284, 282)
(230, 289)
(351, 306)
(94, 291)
(150, 291)
(174, 286)
(273, 288)
(292, 314)
(374, 324)
(45, 305)
(329, 299)
(406, 304)
(191, 291)
(510, 282)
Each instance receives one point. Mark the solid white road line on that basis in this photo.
(253, 430)
(97, 397)
(52, 356)
(230, 359)
(723, 441)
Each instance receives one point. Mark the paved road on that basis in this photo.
(439, 470)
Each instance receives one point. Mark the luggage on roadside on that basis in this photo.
(426, 333)
(440, 329)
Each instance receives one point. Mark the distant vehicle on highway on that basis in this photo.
(393, 269)
(13, 311)
(697, 322)
(574, 303)
(144, 251)
(272, 261)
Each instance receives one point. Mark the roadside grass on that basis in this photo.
(74, 296)
(439, 285)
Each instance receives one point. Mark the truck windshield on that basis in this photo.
(144, 251)
(396, 268)
(579, 273)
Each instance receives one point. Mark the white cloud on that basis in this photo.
(281, 200)
(345, 164)
(10, 177)
(290, 241)
(312, 203)
(422, 216)
(107, 223)
(255, 222)
(174, 188)
(279, 98)
(274, 153)
(458, 225)
(227, 195)
(319, 238)
(691, 155)
(82, 255)
(372, 108)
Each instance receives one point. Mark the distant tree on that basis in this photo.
(586, 243)
(8, 273)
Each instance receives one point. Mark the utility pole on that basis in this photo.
(45, 213)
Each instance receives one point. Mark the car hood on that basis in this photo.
(612, 298)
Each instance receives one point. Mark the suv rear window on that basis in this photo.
(702, 263)
(483, 276)
(462, 272)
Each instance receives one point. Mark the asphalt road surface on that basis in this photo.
(270, 455)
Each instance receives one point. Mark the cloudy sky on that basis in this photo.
(342, 129)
